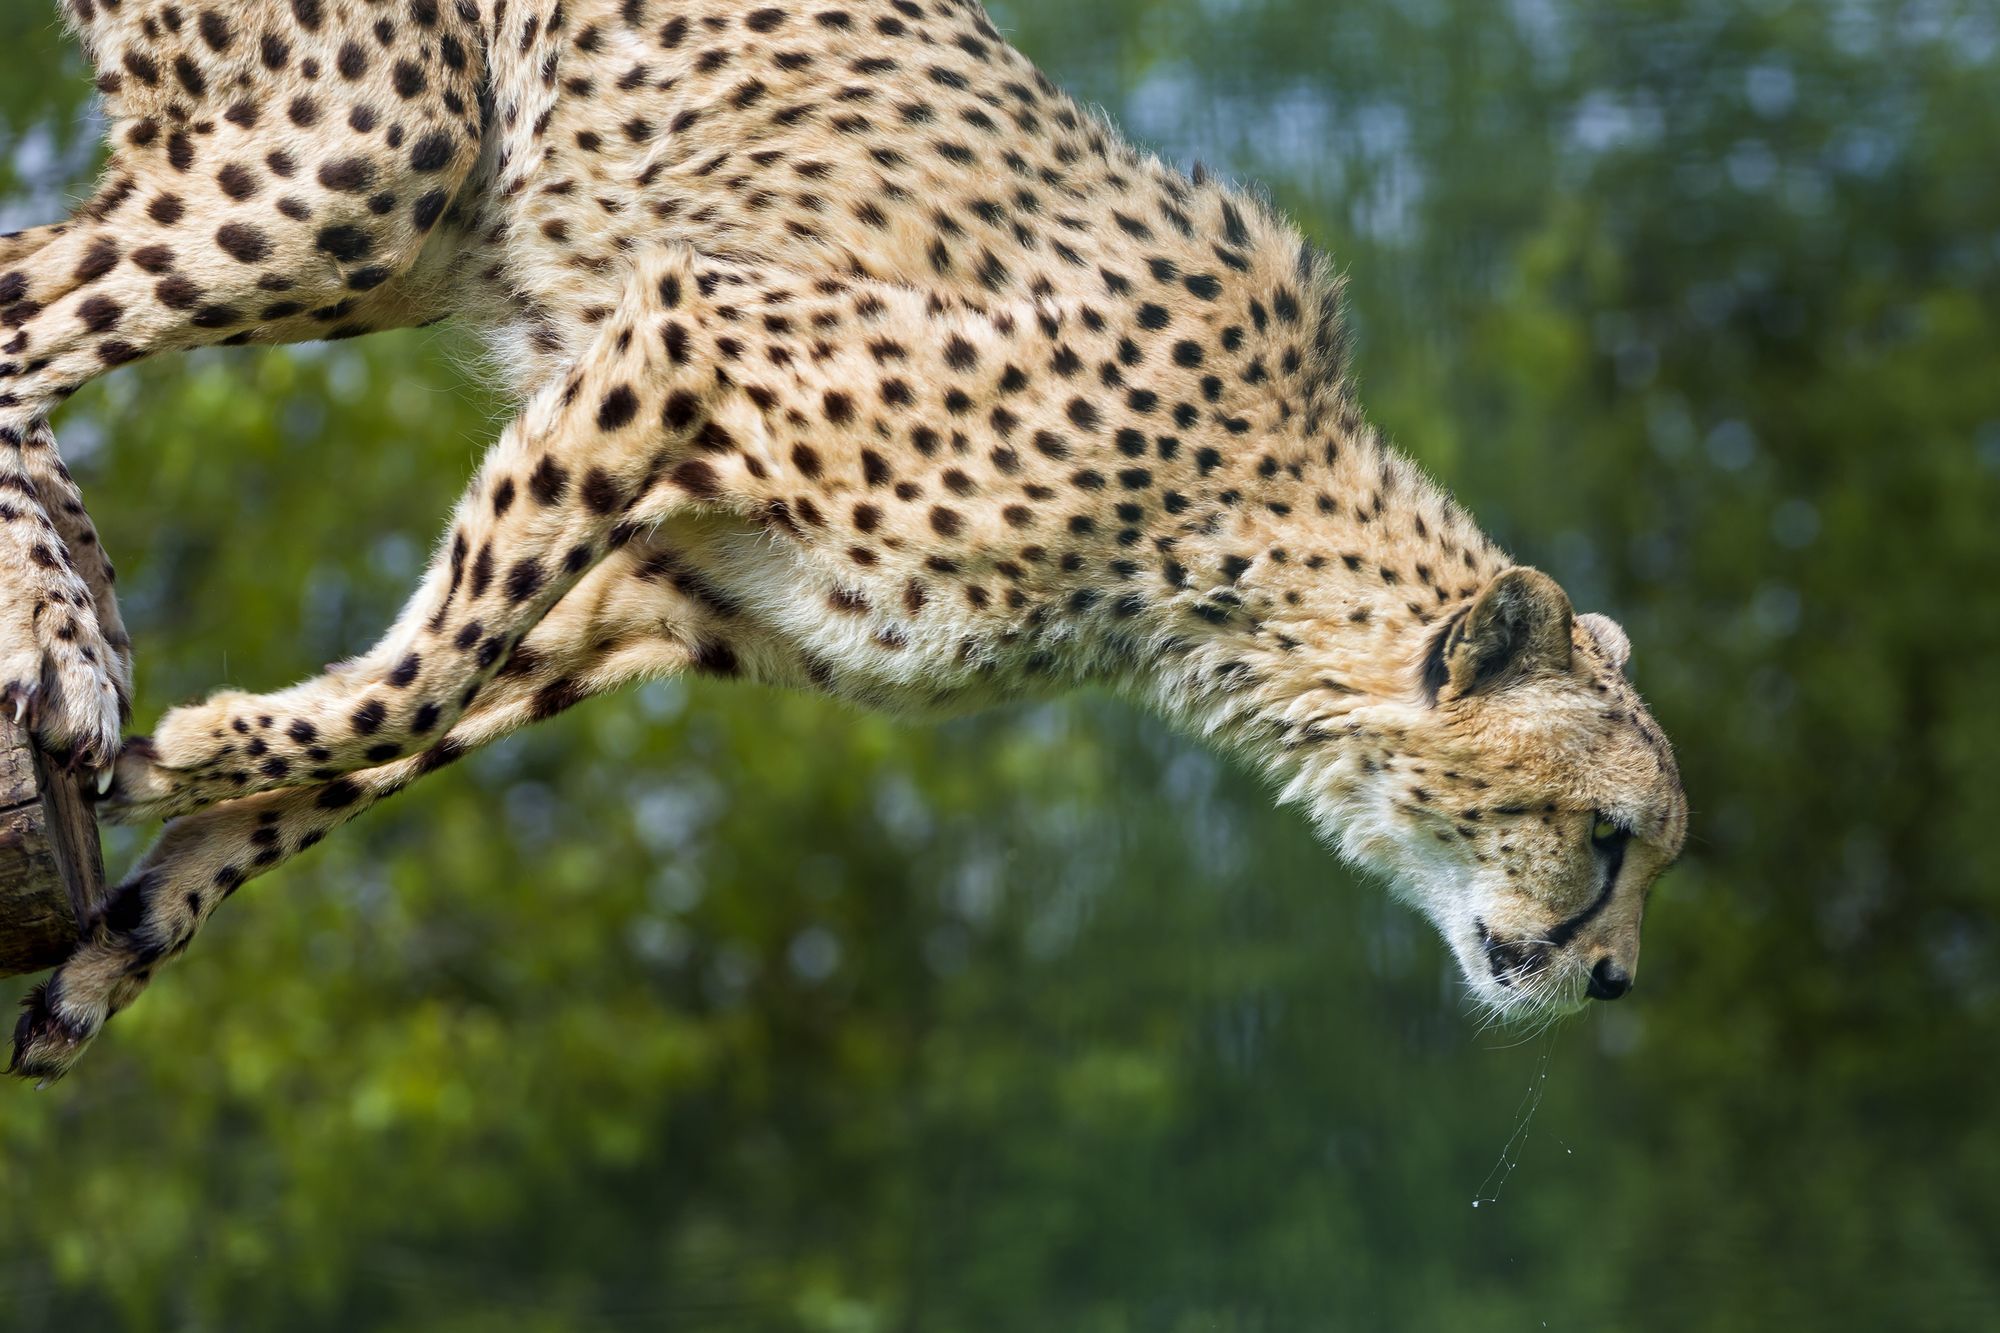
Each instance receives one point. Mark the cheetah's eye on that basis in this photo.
(1606, 834)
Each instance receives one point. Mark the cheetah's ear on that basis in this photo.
(1610, 638)
(1518, 625)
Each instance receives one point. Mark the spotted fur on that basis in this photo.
(852, 356)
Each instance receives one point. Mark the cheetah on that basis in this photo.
(848, 354)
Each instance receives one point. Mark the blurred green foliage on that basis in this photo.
(712, 1008)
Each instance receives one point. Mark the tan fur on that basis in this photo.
(852, 356)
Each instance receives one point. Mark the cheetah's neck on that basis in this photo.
(1310, 599)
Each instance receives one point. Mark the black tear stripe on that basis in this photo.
(1567, 931)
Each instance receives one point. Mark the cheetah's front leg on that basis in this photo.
(618, 443)
(623, 623)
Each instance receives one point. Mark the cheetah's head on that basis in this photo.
(1523, 798)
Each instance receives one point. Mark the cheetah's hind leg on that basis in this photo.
(62, 499)
(59, 671)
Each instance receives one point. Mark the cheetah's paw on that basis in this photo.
(65, 689)
(197, 756)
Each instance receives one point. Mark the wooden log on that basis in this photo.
(51, 870)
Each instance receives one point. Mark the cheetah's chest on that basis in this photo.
(802, 624)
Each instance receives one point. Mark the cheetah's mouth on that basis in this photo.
(1512, 961)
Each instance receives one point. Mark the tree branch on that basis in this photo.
(51, 871)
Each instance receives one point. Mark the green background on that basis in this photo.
(705, 1007)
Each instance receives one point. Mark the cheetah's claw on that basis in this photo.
(140, 789)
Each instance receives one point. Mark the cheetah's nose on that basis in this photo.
(1608, 981)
